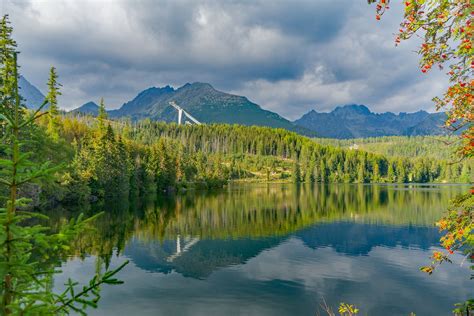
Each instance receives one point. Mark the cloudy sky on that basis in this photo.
(287, 56)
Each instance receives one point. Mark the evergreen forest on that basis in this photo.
(109, 159)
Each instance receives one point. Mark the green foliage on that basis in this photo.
(102, 116)
(77, 300)
(333, 164)
(436, 147)
(344, 309)
(52, 98)
(29, 251)
(296, 173)
(347, 309)
(7, 50)
(118, 158)
(457, 225)
(464, 308)
(446, 30)
(103, 163)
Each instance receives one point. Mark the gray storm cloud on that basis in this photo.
(288, 56)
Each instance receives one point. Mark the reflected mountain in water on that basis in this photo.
(205, 256)
(200, 260)
(230, 226)
(273, 250)
(256, 217)
(360, 239)
(233, 226)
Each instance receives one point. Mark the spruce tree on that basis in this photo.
(7, 68)
(26, 268)
(390, 173)
(102, 116)
(402, 174)
(52, 98)
(310, 171)
(322, 172)
(296, 172)
(376, 172)
(360, 173)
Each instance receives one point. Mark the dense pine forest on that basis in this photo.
(110, 159)
(436, 147)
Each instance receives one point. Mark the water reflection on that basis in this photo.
(276, 250)
(359, 239)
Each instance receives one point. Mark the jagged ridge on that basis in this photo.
(357, 121)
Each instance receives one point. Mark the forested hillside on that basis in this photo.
(318, 162)
(108, 159)
(400, 146)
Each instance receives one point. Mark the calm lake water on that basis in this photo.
(275, 250)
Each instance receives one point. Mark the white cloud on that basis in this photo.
(288, 57)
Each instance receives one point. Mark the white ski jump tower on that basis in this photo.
(180, 114)
(187, 243)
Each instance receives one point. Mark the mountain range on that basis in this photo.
(357, 121)
(209, 105)
(203, 102)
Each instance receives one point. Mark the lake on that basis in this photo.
(274, 249)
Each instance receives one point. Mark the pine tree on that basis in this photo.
(447, 172)
(402, 173)
(102, 116)
(360, 173)
(52, 98)
(323, 171)
(7, 66)
(316, 177)
(390, 173)
(376, 172)
(26, 279)
(310, 171)
(296, 172)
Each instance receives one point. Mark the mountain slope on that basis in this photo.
(32, 95)
(357, 121)
(90, 108)
(431, 125)
(140, 106)
(206, 104)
